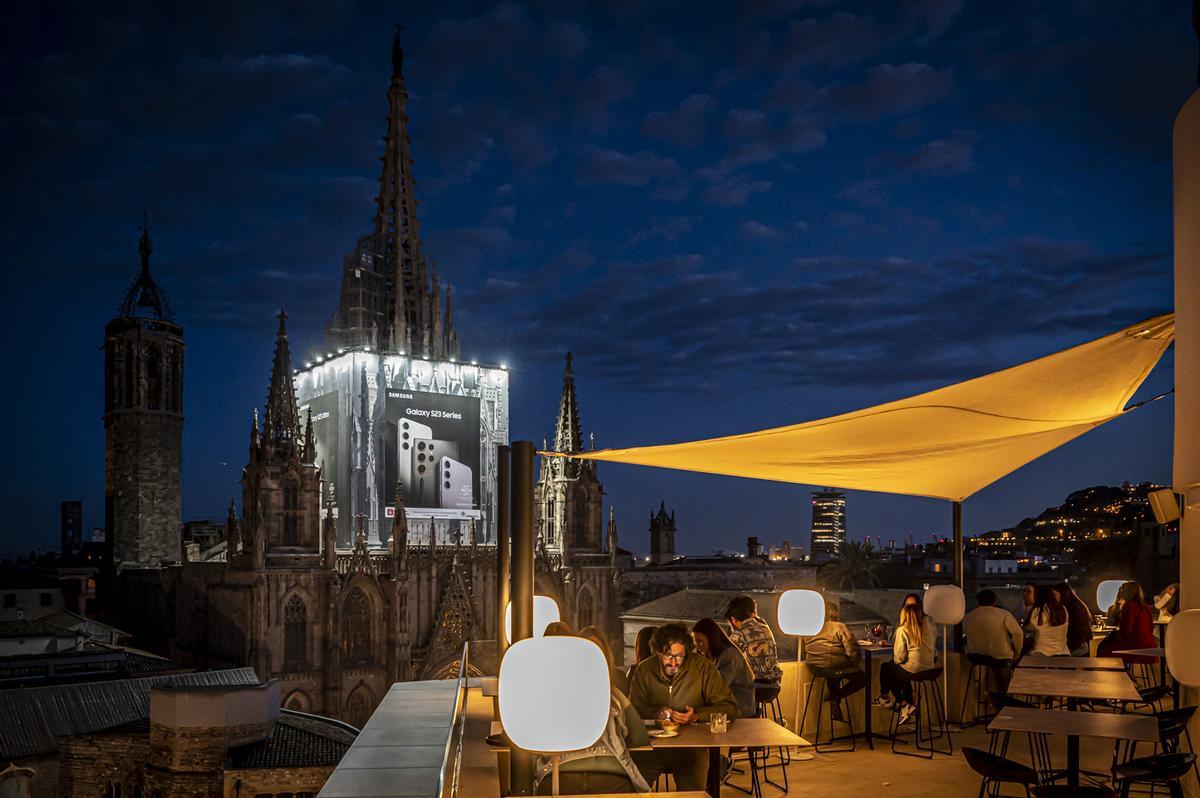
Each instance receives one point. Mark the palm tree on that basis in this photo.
(854, 567)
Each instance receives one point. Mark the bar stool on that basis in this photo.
(978, 678)
(1065, 791)
(1166, 769)
(841, 701)
(930, 713)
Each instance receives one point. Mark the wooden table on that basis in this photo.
(1073, 684)
(1072, 663)
(743, 733)
(868, 651)
(1143, 728)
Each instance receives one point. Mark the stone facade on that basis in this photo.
(662, 535)
(576, 550)
(143, 425)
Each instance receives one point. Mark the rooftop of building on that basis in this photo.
(297, 740)
(722, 561)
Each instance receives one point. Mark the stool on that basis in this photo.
(982, 668)
(1142, 674)
(1063, 791)
(930, 714)
(766, 698)
(841, 701)
(997, 770)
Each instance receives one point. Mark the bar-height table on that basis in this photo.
(869, 650)
(1073, 685)
(1072, 663)
(1143, 728)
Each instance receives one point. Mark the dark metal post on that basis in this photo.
(521, 773)
(960, 576)
(503, 524)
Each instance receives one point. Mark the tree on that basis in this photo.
(854, 567)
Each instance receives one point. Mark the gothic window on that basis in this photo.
(550, 521)
(291, 512)
(297, 702)
(357, 637)
(154, 379)
(583, 609)
(113, 790)
(295, 635)
(359, 710)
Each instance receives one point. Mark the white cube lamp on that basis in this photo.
(1106, 593)
(946, 605)
(545, 612)
(801, 613)
(554, 695)
(1182, 661)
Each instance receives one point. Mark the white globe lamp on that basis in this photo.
(1106, 593)
(801, 613)
(554, 695)
(545, 612)
(946, 605)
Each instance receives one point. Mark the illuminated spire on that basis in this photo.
(281, 422)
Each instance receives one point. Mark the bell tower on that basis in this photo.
(143, 425)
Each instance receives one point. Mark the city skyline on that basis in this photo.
(523, 211)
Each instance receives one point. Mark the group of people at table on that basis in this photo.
(683, 676)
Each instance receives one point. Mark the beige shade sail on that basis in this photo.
(948, 443)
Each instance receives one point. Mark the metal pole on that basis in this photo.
(956, 515)
(521, 772)
(503, 524)
(960, 580)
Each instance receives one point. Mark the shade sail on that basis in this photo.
(947, 443)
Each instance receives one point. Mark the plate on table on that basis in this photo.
(664, 733)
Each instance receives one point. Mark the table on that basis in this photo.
(743, 733)
(1072, 663)
(1075, 725)
(1073, 684)
(869, 650)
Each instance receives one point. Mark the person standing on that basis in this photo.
(674, 685)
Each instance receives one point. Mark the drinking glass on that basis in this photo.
(718, 723)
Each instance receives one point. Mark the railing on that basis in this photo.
(452, 760)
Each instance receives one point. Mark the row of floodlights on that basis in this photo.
(554, 692)
(330, 355)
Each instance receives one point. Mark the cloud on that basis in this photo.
(889, 90)
(671, 229)
(934, 15)
(836, 40)
(729, 189)
(566, 40)
(453, 46)
(685, 126)
(597, 165)
(594, 96)
(952, 155)
(752, 228)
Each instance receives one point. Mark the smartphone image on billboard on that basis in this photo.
(408, 432)
(455, 485)
(425, 469)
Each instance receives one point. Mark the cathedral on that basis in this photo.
(336, 624)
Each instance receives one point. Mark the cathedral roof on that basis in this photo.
(297, 740)
(143, 298)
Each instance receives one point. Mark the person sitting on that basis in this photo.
(712, 642)
(642, 650)
(912, 652)
(756, 640)
(558, 629)
(1049, 623)
(1167, 603)
(606, 766)
(617, 677)
(674, 685)
(994, 638)
(1135, 628)
(1079, 621)
(833, 654)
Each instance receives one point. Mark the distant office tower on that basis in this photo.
(828, 524)
(143, 425)
(72, 528)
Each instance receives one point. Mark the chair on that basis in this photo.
(1064, 791)
(766, 700)
(1165, 769)
(982, 668)
(822, 676)
(930, 714)
(996, 770)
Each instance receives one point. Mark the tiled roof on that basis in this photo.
(35, 717)
(35, 627)
(297, 740)
(692, 604)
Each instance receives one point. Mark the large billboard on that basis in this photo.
(380, 419)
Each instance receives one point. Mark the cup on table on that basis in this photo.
(718, 723)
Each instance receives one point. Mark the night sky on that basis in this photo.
(734, 215)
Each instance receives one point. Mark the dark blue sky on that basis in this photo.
(734, 215)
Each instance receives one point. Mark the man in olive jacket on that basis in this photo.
(686, 687)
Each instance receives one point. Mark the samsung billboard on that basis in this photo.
(380, 418)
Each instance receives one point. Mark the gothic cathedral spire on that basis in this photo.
(567, 435)
(281, 424)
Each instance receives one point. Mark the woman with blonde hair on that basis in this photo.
(912, 652)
